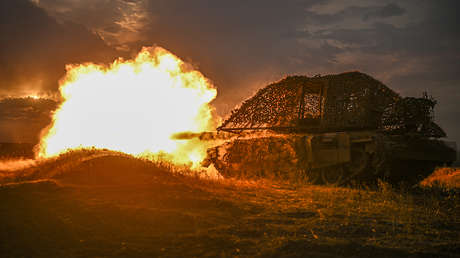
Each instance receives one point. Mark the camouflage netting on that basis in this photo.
(348, 100)
(412, 116)
(344, 101)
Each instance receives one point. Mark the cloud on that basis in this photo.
(118, 22)
(351, 16)
(22, 119)
(386, 11)
(35, 48)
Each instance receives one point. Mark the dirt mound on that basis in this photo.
(112, 170)
(92, 167)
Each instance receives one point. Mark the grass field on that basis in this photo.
(124, 207)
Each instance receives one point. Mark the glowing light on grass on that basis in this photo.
(133, 106)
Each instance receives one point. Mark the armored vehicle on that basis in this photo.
(332, 129)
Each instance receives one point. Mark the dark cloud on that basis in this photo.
(118, 22)
(365, 14)
(29, 109)
(432, 43)
(386, 11)
(35, 48)
(22, 119)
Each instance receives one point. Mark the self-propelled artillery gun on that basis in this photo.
(332, 129)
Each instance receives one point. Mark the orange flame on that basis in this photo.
(133, 106)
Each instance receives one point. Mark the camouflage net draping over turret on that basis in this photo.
(344, 101)
(273, 106)
(412, 116)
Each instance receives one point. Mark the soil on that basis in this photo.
(124, 207)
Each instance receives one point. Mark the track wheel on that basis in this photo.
(333, 176)
(358, 164)
(313, 176)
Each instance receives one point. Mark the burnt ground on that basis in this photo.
(123, 207)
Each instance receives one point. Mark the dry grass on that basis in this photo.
(446, 178)
(120, 206)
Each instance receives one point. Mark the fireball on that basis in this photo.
(133, 106)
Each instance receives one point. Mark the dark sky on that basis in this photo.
(412, 46)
